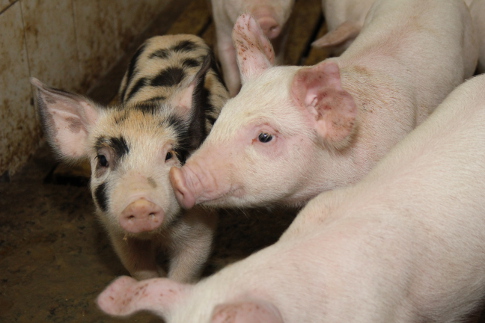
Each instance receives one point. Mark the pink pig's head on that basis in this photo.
(270, 141)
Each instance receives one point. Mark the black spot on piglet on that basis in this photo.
(101, 197)
(185, 46)
(168, 77)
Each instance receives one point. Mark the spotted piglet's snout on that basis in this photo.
(141, 215)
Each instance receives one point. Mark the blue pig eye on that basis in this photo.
(265, 137)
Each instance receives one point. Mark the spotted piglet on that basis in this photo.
(170, 97)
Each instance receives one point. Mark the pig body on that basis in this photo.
(405, 244)
(477, 10)
(293, 132)
(270, 14)
(170, 97)
(344, 19)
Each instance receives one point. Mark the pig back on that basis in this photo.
(163, 64)
(429, 46)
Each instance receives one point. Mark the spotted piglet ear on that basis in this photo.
(66, 118)
(254, 51)
(318, 92)
(191, 102)
(246, 312)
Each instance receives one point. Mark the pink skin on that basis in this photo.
(147, 294)
(196, 182)
(207, 178)
(266, 18)
(141, 216)
(235, 166)
(271, 15)
(126, 296)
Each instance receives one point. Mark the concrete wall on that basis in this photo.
(66, 44)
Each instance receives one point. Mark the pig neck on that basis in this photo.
(378, 127)
(385, 116)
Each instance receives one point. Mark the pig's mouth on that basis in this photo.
(226, 199)
(235, 197)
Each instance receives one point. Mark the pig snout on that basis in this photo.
(265, 17)
(141, 216)
(184, 195)
(270, 27)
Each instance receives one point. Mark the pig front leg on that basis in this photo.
(227, 57)
(125, 296)
(192, 244)
(138, 256)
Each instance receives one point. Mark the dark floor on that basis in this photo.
(55, 257)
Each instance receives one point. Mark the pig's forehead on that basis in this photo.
(262, 96)
(135, 125)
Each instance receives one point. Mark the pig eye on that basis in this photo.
(265, 137)
(169, 155)
(102, 160)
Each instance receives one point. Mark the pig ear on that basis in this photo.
(126, 296)
(346, 31)
(191, 102)
(254, 51)
(318, 91)
(246, 312)
(67, 119)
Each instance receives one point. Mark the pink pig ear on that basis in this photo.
(344, 32)
(254, 51)
(126, 296)
(246, 312)
(318, 91)
(67, 119)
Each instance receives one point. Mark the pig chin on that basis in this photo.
(234, 197)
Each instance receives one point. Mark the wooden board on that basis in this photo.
(304, 22)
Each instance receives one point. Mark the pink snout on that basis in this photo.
(141, 216)
(270, 27)
(184, 196)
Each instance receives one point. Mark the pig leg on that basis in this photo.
(126, 296)
(192, 251)
(248, 311)
(345, 32)
(227, 56)
(138, 256)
